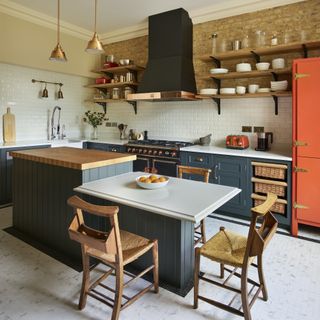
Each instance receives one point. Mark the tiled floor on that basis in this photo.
(34, 286)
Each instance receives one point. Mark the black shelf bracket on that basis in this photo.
(274, 76)
(276, 105)
(104, 106)
(134, 104)
(256, 56)
(216, 61)
(217, 82)
(305, 51)
(218, 102)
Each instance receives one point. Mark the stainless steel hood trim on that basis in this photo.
(162, 96)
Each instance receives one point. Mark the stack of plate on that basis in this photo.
(208, 91)
(263, 90)
(218, 70)
(228, 90)
(279, 85)
(243, 67)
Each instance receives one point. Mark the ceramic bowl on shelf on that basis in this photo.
(147, 181)
(218, 70)
(241, 90)
(278, 63)
(228, 91)
(209, 91)
(253, 88)
(263, 90)
(263, 66)
(243, 67)
(279, 85)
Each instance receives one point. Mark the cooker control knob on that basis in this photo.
(150, 151)
(140, 150)
(155, 152)
(160, 152)
(133, 149)
(145, 151)
(129, 150)
(167, 153)
(174, 154)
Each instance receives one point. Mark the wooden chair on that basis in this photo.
(228, 248)
(199, 236)
(115, 248)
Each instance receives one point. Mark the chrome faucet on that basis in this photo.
(55, 131)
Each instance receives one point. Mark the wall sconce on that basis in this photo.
(45, 90)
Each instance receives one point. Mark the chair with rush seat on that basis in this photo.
(115, 249)
(199, 236)
(228, 248)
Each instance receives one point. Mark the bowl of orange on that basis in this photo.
(152, 181)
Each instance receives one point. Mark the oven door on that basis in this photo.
(165, 167)
(142, 164)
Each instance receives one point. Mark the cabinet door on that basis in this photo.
(308, 107)
(233, 172)
(98, 146)
(308, 191)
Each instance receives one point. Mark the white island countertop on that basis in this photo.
(180, 199)
(280, 152)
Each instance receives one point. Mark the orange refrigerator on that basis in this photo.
(306, 143)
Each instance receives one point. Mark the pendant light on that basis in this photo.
(94, 45)
(58, 54)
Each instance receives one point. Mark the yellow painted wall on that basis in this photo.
(27, 44)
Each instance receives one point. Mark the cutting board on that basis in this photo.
(9, 127)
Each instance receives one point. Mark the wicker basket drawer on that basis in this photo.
(278, 207)
(265, 186)
(270, 170)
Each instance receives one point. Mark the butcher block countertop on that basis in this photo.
(80, 159)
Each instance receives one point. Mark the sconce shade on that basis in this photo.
(94, 45)
(58, 54)
(60, 94)
(45, 93)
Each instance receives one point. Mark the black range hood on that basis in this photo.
(169, 74)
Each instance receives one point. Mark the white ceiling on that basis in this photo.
(124, 19)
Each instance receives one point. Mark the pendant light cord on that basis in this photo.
(58, 22)
(95, 16)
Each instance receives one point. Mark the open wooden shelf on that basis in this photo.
(251, 74)
(113, 85)
(120, 69)
(302, 47)
(104, 103)
(275, 95)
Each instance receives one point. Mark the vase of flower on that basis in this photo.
(95, 119)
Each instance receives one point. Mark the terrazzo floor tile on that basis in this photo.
(34, 286)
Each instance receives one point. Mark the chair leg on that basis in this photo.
(85, 280)
(244, 294)
(261, 279)
(203, 231)
(196, 278)
(118, 294)
(155, 255)
(221, 270)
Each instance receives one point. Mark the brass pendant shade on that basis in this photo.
(57, 53)
(94, 45)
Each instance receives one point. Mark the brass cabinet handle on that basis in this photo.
(199, 159)
(297, 169)
(300, 143)
(299, 206)
(301, 75)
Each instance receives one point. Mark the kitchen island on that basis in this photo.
(167, 214)
(43, 180)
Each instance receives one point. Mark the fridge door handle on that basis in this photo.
(301, 75)
(297, 169)
(298, 143)
(299, 206)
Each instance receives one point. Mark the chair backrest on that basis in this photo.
(109, 243)
(193, 170)
(259, 237)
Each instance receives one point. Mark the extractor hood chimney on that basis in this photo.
(169, 74)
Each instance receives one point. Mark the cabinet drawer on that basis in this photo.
(279, 207)
(265, 186)
(270, 170)
(199, 160)
(97, 146)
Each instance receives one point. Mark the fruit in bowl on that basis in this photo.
(152, 181)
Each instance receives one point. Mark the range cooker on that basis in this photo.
(156, 156)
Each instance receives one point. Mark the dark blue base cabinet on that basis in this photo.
(236, 172)
(6, 172)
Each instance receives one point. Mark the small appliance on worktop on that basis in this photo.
(156, 156)
(263, 140)
(237, 142)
